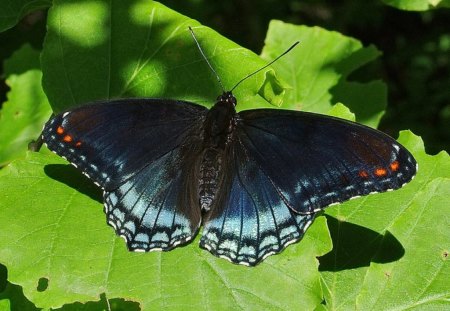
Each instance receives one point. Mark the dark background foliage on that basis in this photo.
(415, 46)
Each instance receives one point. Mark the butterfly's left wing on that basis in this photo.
(142, 153)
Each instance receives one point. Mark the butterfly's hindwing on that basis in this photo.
(149, 209)
(250, 221)
(315, 160)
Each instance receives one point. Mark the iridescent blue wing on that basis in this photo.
(250, 220)
(141, 152)
(315, 160)
(285, 166)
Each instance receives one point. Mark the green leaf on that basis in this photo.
(53, 229)
(54, 239)
(418, 5)
(317, 71)
(5, 304)
(341, 111)
(12, 11)
(111, 49)
(95, 51)
(390, 249)
(27, 108)
(12, 298)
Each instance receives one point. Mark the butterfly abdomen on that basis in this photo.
(210, 172)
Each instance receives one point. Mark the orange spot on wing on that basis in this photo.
(363, 174)
(60, 130)
(78, 144)
(67, 138)
(380, 172)
(394, 166)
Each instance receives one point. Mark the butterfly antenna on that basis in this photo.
(204, 57)
(255, 72)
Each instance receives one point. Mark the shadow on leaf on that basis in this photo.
(69, 175)
(355, 246)
(3, 277)
(16, 299)
(103, 304)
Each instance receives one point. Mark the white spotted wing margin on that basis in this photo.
(141, 152)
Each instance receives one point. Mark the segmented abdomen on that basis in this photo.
(210, 170)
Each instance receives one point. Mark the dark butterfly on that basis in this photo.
(254, 179)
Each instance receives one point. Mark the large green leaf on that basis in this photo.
(417, 5)
(54, 230)
(109, 49)
(94, 52)
(318, 68)
(406, 265)
(54, 239)
(11, 11)
(26, 109)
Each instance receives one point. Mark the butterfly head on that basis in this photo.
(228, 98)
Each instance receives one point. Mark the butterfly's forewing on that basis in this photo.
(250, 220)
(140, 152)
(315, 160)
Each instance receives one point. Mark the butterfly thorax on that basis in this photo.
(220, 122)
(218, 132)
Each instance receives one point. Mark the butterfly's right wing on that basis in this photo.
(142, 153)
(285, 166)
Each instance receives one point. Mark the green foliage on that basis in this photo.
(412, 222)
(60, 234)
(319, 67)
(13, 11)
(417, 5)
(383, 251)
(153, 56)
(27, 108)
(415, 47)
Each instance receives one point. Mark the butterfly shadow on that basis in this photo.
(355, 246)
(69, 175)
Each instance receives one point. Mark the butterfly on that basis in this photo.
(254, 180)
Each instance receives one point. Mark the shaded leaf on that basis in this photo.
(12, 11)
(318, 68)
(122, 49)
(26, 109)
(418, 5)
(67, 252)
(54, 239)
